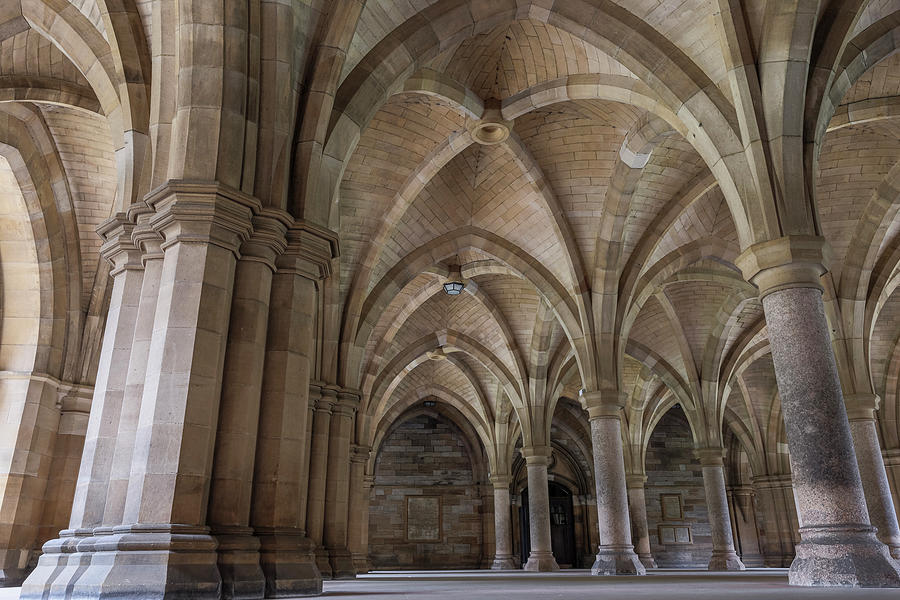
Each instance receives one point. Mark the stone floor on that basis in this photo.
(660, 584)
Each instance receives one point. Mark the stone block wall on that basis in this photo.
(672, 469)
(425, 456)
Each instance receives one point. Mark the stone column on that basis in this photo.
(163, 548)
(337, 486)
(503, 557)
(777, 511)
(838, 546)
(724, 557)
(358, 515)
(615, 555)
(278, 513)
(318, 471)
(66, 558)
(537, 460)
(637, 509)
(231, 487)
(861, 412)
(152, 257)
(743, 513)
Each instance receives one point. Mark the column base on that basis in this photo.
(725, 561)
(151, 562)
(361, 563)
(540, 562)
(322, 562)
(54, 558)
(894, 549)
(503, 562)
(286, 558)
(12, 577)
(647, 560)
(617, 560)
(238, 562)
(842, 557)
(341, 562)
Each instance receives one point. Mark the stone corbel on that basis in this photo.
(862, 407)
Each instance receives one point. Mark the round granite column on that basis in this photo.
(838, 545)
(615, 555)
(861, 412)
(637, 508)
(503, 558)
(541, 556)
(724, 557)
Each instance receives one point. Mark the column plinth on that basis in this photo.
(838, 545)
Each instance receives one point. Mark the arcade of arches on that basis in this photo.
(293, 290)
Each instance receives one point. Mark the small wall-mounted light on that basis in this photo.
(454, 284)
(429, 403)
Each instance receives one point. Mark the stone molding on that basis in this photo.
(359, 454)
(118, 247)
(710, 457)
(862, 407)
(793, 261)
(310, 250)
(501, 481)
(604, 404)
(537, 455)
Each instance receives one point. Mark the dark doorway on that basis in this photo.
(562, 526)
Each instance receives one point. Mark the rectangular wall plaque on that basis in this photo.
(423, 518)
(672, 509)
(675, 534)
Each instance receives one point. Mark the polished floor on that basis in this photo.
(659, 584)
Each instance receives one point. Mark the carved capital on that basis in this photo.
(604, 404)
(310, 250)
(118, 248)
(794, 261)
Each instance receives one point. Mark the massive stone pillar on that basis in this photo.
(358, 516)
(318, 471)
(861, 412)
(724, 557)
(615, 555)
(503, 557)
(537, 460)
(337, 486)
(838, 546)
(637, 509)
(65, 559)
(163, 548)
(278, 514)
(231, 487)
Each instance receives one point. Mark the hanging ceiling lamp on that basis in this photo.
(454, 284)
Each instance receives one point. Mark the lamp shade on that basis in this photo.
(453, 288)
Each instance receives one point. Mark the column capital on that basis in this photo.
(604, 404)
(862, 407)
(359, 454)
(635, 481)
(267, 240)
(315, 392)
(501, 481)
(710, 457)
(537, 455)
(144, 238)
(368, 481)
(118, 248)
(310, 250)
(347, 401)
(202, 212)
(327, 399)
(793, 261)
